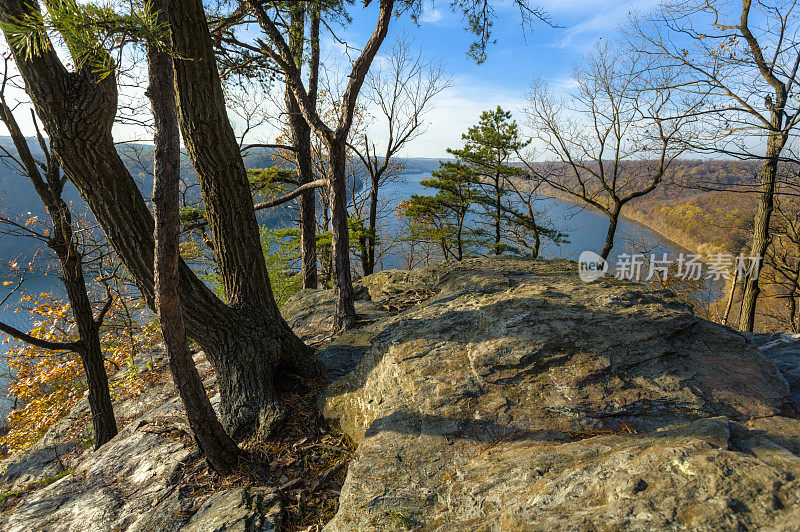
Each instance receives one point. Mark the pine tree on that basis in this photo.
(487, 152)
(487, 156)
(441, 218)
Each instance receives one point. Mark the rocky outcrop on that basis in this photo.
(133, 483)
(517, 397)
(493, 394)
(783, 350)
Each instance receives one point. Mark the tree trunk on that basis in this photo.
(70, 259)
(459, 242)
(219, 449)
(729, 305)
(246, 342)
(104, 424)
(369, 265)
(793, 301)
(344, 316)
(363, 247)
(761, 237)
(537, 243)
(335, 140)
(613, 220)
(497, 213)
(212, 146)
(301, 141)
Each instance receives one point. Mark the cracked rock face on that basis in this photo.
(518, 397)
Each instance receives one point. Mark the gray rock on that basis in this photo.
(239, 510)
(783, 350)
(518, 397)
(378, 296)
(132, 482)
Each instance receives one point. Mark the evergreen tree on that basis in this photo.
(441, 218)
(487, 152)
(486, 157)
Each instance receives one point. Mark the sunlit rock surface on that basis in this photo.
(513, 396)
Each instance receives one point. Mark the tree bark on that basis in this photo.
(537, 243)
(301, 140)
(247, 379)
(103, 422)
(372, 236)
(761, 236)
(613, 220)
(344, 316)
(219, 449)
(729, 305)
(498, 197)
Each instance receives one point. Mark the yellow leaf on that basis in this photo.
(6, 283)
(31, 220)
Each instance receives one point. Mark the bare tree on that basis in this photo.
(62, 240)
(400, 93)
(615, 136)
(334, 135)
(743, 58)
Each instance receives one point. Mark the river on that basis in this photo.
(586, 230)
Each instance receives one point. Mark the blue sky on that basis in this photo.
(515, 59)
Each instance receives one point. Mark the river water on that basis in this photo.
(586, 230)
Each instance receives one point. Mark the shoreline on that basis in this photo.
(680, 242)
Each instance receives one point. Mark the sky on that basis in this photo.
(517, 57)
(513, 61)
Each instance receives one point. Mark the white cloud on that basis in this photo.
(458, 108)
(605, 17)
(430, 14)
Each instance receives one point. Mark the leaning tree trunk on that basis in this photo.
(344, 316)
(219, 449)
(761, 236)
(613, 220)
(731, 294)
(246, 377)
(104, 424)
(245, 342)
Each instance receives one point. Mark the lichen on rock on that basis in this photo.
(519, 397)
